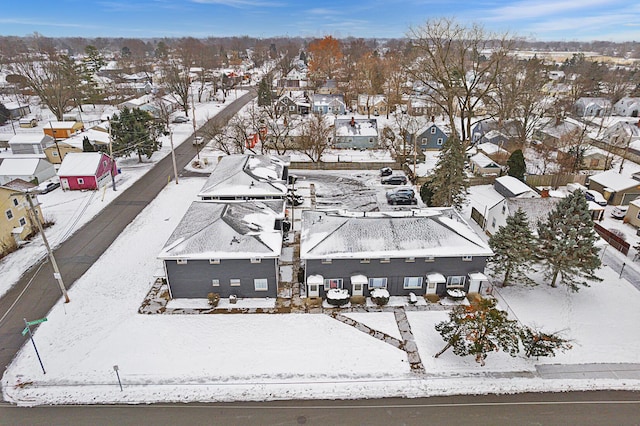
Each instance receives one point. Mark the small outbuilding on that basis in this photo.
(86, 170)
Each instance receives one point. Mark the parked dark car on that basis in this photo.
(394, 180)
(595, 196)
(294, 199)
(50, 187)
(401, 199)
(386, 171)
(180, 119)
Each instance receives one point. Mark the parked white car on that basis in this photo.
(619, 212)
(595, 196)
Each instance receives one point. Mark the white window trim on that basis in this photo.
(234, 282)
(261, 284)
(326, 261)
(15, 202)
(256, 260)
(22, 219)
(451, 281)
(433, 130)
(80, 181)
(371, 280)
(215, 282)
(409, 287)
(410, 259)
(440, 141)
(467, 258)
(385, 260)
(214, 261)
(9, 214)
(365, 260)
(430, 259)
(181, 261)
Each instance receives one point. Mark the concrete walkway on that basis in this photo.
(589, 371)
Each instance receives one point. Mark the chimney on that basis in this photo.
(352, 122)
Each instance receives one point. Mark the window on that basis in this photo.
(181, 261)
(292, 108)
(215, 282)
(255, 260)
(594, 162)
(440, 141)
(261, 284)
(15, 202)
(377, 283)
(9, 214)
(433, 130)
(424, 141)
(385, 260)
(455, 281)
(104, 163)
(467, 258)
(326, 261)
(429, 259)
(410, 259)
(357, 288)
(412, 282)
(493, 223)
(332, 283)
(504, 208)
(365, 260)
(234, 282)
(54, 153)
(214, 261)
(80, 181)
(313, 288)
(22, 221)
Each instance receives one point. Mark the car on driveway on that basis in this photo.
(619, 212)
(407, 190)
(386, 171)
(50, 187)
(180, 119)
(198, 140)
(394, 180)
(595, 196)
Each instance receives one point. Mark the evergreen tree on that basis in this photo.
(567, 243)
(537, 343)
(4, 114)
(135, 131)
(426, 194)
(264, 92)
(478, 329)
(449, 182)
(87, 146)
(514, 248)
(516, 165)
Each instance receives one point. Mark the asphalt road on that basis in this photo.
(37, 291)
(581, 408)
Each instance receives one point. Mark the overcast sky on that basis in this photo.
(562, 20)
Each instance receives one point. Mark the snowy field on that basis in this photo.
(259, 357)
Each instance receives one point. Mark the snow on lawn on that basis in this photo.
(72, 209)
(100, 328)
(381, 321)
(601, 320)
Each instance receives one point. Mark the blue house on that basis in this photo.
(433, 137)
(328, 104)
(352, 133)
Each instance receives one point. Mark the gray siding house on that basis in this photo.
(433, 137)
(229, 249)
(247, 177)
(361, 133)
(425, 251)
(30, 143)
(328, 104)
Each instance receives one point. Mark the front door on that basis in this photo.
(474, 286)
(65, 184)
(431, 287)
(314, 290)
(357, 289)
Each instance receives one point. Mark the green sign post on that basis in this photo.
(27, 329)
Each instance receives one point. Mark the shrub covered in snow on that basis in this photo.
(380, 296)
(214, 298)
(337, 297)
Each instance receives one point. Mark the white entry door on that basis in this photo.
(357, 289)
(65, 184)
(314, 290)
(431, 287)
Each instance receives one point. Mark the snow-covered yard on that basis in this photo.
(285, 356)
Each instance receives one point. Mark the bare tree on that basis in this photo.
(314, 136)
(454, 63)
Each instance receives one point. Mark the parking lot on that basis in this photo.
(355, 190)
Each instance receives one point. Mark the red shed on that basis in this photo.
(86, 170)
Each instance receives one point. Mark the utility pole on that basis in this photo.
(173, 157)
(195, 134)
(56, 271)
(113, 163)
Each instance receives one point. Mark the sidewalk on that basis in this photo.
(589, 371)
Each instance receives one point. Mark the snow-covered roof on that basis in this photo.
(614, 180)
(18, 185)
(364, 100)
(491, 148)
(483, 161)
(484, 197)
(226, 231)
(69, 125)
(31, 137)
(95, 136)
(19, 166)
(438, 232)
(321, 100)
(80, 164)
(360, 127)
(514, 185)
(247, 176)
(436, 278)
(537, 209)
